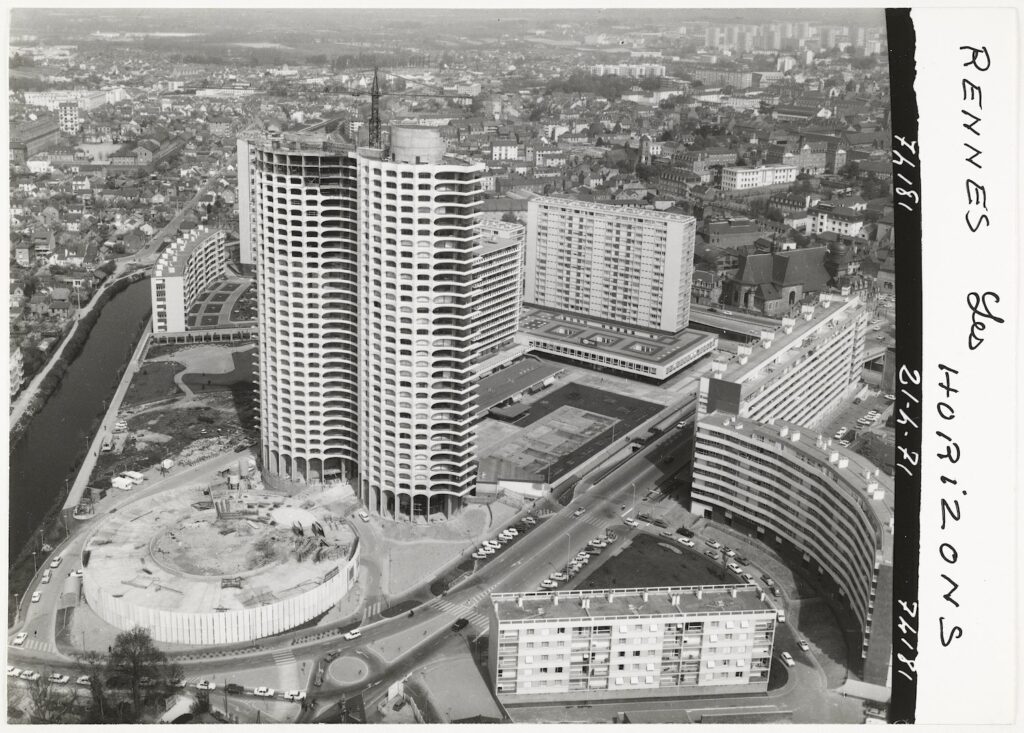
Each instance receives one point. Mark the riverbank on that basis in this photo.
(40, 477)
(45, 383)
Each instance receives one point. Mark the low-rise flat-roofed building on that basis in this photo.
(800, 372)
(630, 643)
(595, 342)
(742, 178)
(825, 506)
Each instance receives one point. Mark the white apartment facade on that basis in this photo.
(799, 374)
(622, 264)
(69, 118)
(829, 507)
(367, 263)
(742, 178)
(499, 284)
(630, 643)
(185, 269)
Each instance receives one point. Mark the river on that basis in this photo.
(59, 434)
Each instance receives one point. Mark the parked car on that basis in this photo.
(559, 576)
(742, 560)
(735, 568)
(353, 634)
(263, 692)
(890, 398)
(787, 659)
(76, 573)
(19, 638)
(59, 679)
(84, 680)
(579, 512)
(479, 556)
(685, 541)
(844, 443)
(29, 675)
(295, 695)
(775, 590)
(364, 516)
(492, 544)
(748, 577)
(548, 583)
(728, 552)
(55, 562)
(685, 532)
(13, 671)
(767, 579)
(36, 597)
(597, 543)
(804, 646)
(174, 683)
(631, 522)
(485, 550)
(644, 517)
(232, 688)
(529, 520)
(841, 433)
(512, 531)
(712, 554)
(714, 544)
(660, 523)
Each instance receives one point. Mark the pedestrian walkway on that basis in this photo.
(37, 645)
(462, 610)
(372, 610)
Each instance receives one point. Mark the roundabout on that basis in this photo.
(349, 670)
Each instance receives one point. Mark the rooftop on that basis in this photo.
(172, 260)
(599, 335)
(631, 602)
(645, 214)
(781, 348)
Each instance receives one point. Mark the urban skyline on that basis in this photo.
(443, 366)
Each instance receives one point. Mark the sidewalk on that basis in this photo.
(109, 419)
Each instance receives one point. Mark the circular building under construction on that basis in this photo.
(234, 567)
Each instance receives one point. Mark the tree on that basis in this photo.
(50, 702)
(133, 657)
(93, 664)
(510, 218)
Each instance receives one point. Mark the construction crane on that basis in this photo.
(374, 127)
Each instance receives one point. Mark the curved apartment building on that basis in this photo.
(185, 269)
(824, 504)
(420, 243)
(304, 223)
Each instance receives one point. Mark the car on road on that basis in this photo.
(234, 688)
(353, 634)
(787, 659)
(748, 577)
(295, 695)
(712, 554)
(36, 597)
(644, 517)
(55, 562)
(890, 398)
(29, 675)
(804, 646)
(479, 556)
(548, 583)
(844, 443)
(685, 532)
(59, 679)
(206, 685)
(742, 559)
(19, 638)
(728, 552)
(685, 541)
(559, 576)
(631, 522)
(76, 573)
(263, 692)
(13, 671)
(735, 568)
(529, 520)
(767, 579)
(84, 680)
(660, 523)
(579, 512)
(841, 433)
(714, 544)
(775, 590)
(364, 516)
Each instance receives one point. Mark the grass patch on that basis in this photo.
(154, 381)
(645, 563)
(244, 366)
